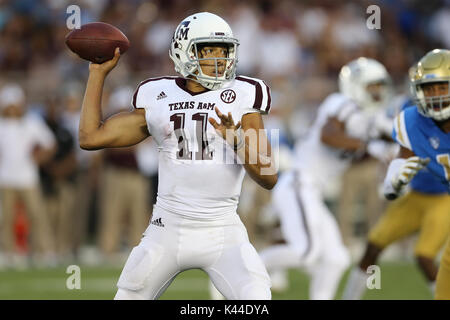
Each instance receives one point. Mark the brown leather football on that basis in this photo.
(96, 41)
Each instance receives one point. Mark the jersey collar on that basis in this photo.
(181, 83)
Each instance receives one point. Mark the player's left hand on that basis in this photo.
(408, 170)
(400, 173)
(227, 129)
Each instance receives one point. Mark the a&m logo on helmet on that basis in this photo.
(196, 31)
(182, 32)
(228, 96)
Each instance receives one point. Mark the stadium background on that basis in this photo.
(297, 47)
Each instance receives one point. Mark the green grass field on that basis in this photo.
(399, 280)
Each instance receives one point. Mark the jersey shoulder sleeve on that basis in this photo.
(148, 91)
(259, 96)
(339, 106)
(404, 126)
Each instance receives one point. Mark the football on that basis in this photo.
(96, 41)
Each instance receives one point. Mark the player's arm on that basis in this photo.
(402, 169)
(405, 153)
(333, 134)
(252, 147)
(263, 169)
(120, 130)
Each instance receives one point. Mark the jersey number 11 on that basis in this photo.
(183, 153)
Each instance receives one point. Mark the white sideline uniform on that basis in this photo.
(313, 239)
(194, 223)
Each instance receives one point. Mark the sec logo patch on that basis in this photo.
(228, 96)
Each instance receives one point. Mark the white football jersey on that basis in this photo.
(323, 164)
(199, 175)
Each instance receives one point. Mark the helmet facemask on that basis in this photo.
(191, 68)
(379, 96)
(195, 31)
(229, 70)
(436, 106)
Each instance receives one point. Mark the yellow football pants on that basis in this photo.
(415, 212)
(443, 276)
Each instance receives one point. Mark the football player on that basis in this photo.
(203, 157)
(423, 131)
(343, 126)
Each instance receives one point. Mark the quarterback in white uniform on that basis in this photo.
(344, 124)
(202, 161)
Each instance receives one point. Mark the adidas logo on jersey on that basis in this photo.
(158, 222)
(162, 95)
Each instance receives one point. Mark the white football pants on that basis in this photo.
(173, 243)
(313, 240)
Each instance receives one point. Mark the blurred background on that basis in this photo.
(97, 204)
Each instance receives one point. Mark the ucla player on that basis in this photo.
(202, 161)
(340, 133)
(424, 135)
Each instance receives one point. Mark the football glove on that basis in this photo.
(400, 173)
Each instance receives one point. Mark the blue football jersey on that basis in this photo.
(421, 135)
